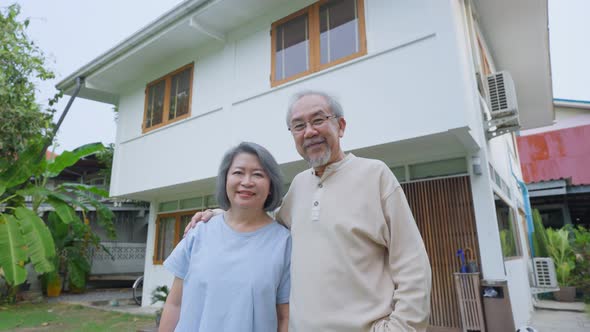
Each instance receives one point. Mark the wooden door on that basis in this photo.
(443, 209)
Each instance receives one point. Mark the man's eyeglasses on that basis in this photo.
(316, 122)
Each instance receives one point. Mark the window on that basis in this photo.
(319, 36)
(508, 228)
(169, 230)
(438, 168)
(168, 98)
(400, 173)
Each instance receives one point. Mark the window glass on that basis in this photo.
(400, 173)
(168, 206)
(166, 228)
(191, 203)
(184, 220)
(321, 35)
(339, 35)
(292, 47)
(155, 107)
(212, 202)
(507, 228)
(179, 94)
(438, 168)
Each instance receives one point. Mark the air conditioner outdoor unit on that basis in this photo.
(501, 94)
(545, 276)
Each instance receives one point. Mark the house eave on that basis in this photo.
(518, 35)
(179, 12)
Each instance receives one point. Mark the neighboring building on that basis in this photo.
(555, 161)
(411, 77)
(130, 223)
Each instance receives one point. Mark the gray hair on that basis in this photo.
(332, 102)
(269, 165)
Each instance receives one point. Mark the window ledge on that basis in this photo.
(173, 124)
(407, 42)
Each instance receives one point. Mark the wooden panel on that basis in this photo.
(443, 209)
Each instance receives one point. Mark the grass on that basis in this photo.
(65, 317)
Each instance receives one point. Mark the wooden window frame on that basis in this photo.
(177, 231)
(315, 65)
(166, 109)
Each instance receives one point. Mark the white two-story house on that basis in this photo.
(411, 76)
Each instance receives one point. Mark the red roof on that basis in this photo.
(558, 154)
(50, 155)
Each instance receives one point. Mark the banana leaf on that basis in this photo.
(12, 250)
(40, 246)
(69, 158)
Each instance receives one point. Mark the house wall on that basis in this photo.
(501, 153)
(414, 82)
(412, 51)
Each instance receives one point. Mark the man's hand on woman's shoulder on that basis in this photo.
(201, 216)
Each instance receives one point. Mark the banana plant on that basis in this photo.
(560, 250)
(24, 236)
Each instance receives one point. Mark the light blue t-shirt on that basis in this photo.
(232, 281)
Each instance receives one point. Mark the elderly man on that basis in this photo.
(358, 260)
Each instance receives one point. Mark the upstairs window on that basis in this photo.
(317, 37)
(168, 98)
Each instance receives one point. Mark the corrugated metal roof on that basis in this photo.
(558, 154)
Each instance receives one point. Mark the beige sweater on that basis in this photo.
(358, 260)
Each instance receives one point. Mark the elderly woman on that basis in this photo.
(232, 273)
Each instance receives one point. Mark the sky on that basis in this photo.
(73, 33)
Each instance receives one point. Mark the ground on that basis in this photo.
(562, 321)
(67, 317)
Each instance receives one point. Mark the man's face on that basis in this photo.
(319, 145)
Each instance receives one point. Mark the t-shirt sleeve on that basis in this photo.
(179, 260)
(285, 284)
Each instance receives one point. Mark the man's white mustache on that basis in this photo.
(307, 143)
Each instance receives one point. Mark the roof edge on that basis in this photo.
(160, 23)
(571, 103)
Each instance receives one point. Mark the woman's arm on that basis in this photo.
(283, 317)
(172, 307)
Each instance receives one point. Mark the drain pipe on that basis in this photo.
(528, 216)
(79, 83)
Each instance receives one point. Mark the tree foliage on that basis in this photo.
(22, 63)
(25, 132)
(24, 235)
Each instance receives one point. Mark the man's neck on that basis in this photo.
(319, 171)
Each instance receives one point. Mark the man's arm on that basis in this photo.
(410, 268)
(171, 311)
(283, 317)
(201, 216)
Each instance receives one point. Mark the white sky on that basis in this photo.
(72, 33)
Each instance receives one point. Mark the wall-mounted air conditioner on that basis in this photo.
(501, 104)
(501, 94)
(545, 276)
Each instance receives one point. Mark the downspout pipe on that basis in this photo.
(79, 83)
(528, 216)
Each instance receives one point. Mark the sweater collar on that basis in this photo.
(334, 167)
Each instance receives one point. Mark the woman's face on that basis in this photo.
(247, 183)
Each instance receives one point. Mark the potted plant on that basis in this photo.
(160, 294)
(54, 283)
(560, 250)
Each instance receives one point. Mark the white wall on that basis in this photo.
(412, 83)
(501, 152)
(519, 289)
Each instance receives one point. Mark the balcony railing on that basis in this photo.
(127, 258)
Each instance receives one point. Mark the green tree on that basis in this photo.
(22, 122)
(539, 236)
(24, 235)
(25, 133)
